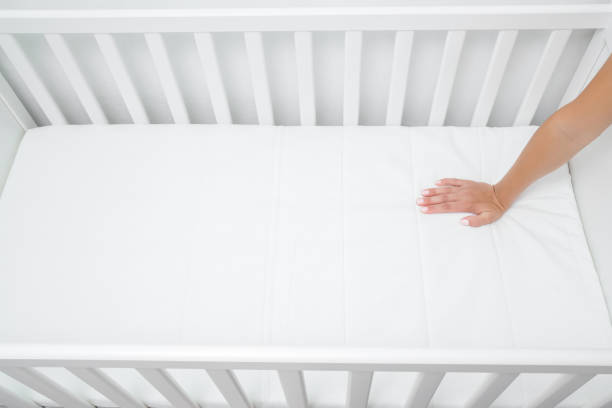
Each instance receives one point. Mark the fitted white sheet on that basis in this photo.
(248, 235)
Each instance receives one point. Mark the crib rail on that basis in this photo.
(308, 19)
(341, 358)
(577, 367)
(34, 90)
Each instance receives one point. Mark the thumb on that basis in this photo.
(477, 220)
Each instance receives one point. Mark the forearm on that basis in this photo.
(563, 135)
(551, 146)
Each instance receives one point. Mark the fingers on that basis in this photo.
(436, 199)
(451, 182)
(444, 184)
(428, 192)
(447, 207)
(477, 220)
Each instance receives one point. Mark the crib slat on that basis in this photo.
(585, 67)
(606, 403)
(30, 77)
(45, 386)
(208, 57)
(603, 57)
(259, 77)
(446, 77)
(293, 387)
(11, 400)
(159, 53)
(352, 74)
(358, 391)
(108, 48)
(539, 81)
(81, 87)
(106, 386)
(167, 386)
(491, 390)
(14, 104)
(565, 386)
(229, 387)
(305, 73)
(495, 73)
(399, 77)
(424, 390)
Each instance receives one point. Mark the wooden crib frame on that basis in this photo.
(507, 20)
(503, 367)
(20, 362)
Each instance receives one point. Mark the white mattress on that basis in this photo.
(309, 236)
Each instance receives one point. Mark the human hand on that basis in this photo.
(456, 195)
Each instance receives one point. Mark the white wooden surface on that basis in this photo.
(227, 384)
(168, 387)
(259, 77)
(276, 358)
(308, 78)
(106, 386)
(45, 386)
(12, 129)
(426, 386)
(358, 391)
(166, 77)
(576, 366)
(548, 61)
(560, 390)
(292, 382)
(80, 85)
(39, 90)
(601, 59)
(493, 387)
(446, 77)
(12, 400)
(399, 77)
(305, 74)
(497, 66)
(352, 76)
(586, 66)
(218, 97)
(15, 106)
(481, 17)
(131, 98)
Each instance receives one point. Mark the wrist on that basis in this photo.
(504, 195)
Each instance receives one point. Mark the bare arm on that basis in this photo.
(563, 135)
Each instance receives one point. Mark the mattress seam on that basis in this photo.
(270, 270)
(411, 137)
(492, 233)
(272, 246)
(343, 227)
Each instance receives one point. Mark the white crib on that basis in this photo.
(32, 98)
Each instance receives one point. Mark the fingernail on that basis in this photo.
(420, 201)
(424, 209)
(425, 192)
(439, 182)
(465, 222)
